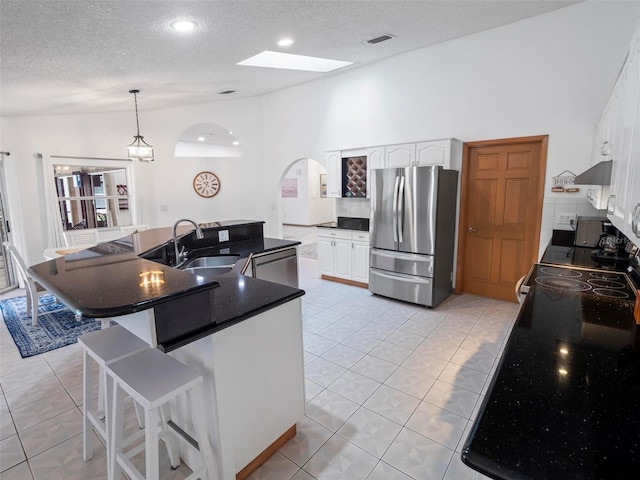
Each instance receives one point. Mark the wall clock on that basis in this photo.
(206, 184)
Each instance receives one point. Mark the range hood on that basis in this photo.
(599, 174)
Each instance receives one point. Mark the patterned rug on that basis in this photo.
(57, 325)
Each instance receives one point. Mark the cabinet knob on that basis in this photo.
(471, 230)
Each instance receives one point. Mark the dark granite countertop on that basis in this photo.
(104, 281)
(563, 402)
(578, 256)
(348, 223)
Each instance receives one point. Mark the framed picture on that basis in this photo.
(290, 188)
(123, 203)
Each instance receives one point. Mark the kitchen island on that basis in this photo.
(563, 402)
(244, 335)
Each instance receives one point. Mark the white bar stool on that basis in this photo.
(152, 379)
(102, 347)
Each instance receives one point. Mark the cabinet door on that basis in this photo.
(375, 158)
(360, 271)
(632, 214)
(325, 256)
(334, 172)
(437, 152)
(342, 258)
(397, 156)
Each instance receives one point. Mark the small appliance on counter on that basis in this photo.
(612, 246)
(588, 231)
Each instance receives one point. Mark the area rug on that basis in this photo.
(56, 328)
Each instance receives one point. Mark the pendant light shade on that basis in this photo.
(139, 149)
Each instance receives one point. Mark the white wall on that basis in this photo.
(309, 208)
(167, 182)
(550, 74)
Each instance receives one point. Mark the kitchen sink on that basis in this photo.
(211, 265)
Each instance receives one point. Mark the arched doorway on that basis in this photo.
(303, 203)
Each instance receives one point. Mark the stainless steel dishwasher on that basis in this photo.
(280, 266)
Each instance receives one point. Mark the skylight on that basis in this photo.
(290, 61)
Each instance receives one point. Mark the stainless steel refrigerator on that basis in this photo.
(413, 219)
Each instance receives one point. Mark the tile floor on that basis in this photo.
(391, 391)
(306, 235)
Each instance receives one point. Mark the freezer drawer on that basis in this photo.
(407, 263)
(409, 288)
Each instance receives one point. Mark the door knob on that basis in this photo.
(471, 230)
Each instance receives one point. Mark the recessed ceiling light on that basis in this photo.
(289, 61)
(285, 42)
(201, 139)
(236, 143)
(183, 25)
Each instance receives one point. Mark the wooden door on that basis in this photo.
(501, 211)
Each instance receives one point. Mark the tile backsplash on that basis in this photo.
(554, 208)
(353, 207)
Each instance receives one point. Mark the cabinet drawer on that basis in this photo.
(360, 236)
(334, 233)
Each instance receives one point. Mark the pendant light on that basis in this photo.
(139, 149)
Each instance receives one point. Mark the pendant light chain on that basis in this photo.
(135, 100)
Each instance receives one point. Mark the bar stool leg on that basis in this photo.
(169, 441)
(87, 431)
(204, 445)
(151, 443)
(114, 471)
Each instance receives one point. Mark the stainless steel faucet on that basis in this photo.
(199, 235)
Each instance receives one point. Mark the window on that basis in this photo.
(93, 196)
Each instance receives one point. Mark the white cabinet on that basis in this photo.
(334, 174)
(397, 156)
(433, 153)
(620, 130)
(375, 158)
(344, 254)
(360, 262)
(446, 153)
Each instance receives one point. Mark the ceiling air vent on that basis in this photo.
(227, 92)
(381, 38)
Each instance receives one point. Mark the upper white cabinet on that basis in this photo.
(437, 152)
(375, 157)
(334, 173)
(447, 153)
(397, 156)
(619, 135)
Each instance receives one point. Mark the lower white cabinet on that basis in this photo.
(344, 254)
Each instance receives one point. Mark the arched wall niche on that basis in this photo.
(207, 140)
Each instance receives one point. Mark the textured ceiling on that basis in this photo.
(73, 56)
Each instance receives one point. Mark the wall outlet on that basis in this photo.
(566, 219)
(223, 235)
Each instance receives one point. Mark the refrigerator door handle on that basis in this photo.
(395, 209)
(400, 210)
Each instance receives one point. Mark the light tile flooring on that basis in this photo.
(391, 391)
(307, 236)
